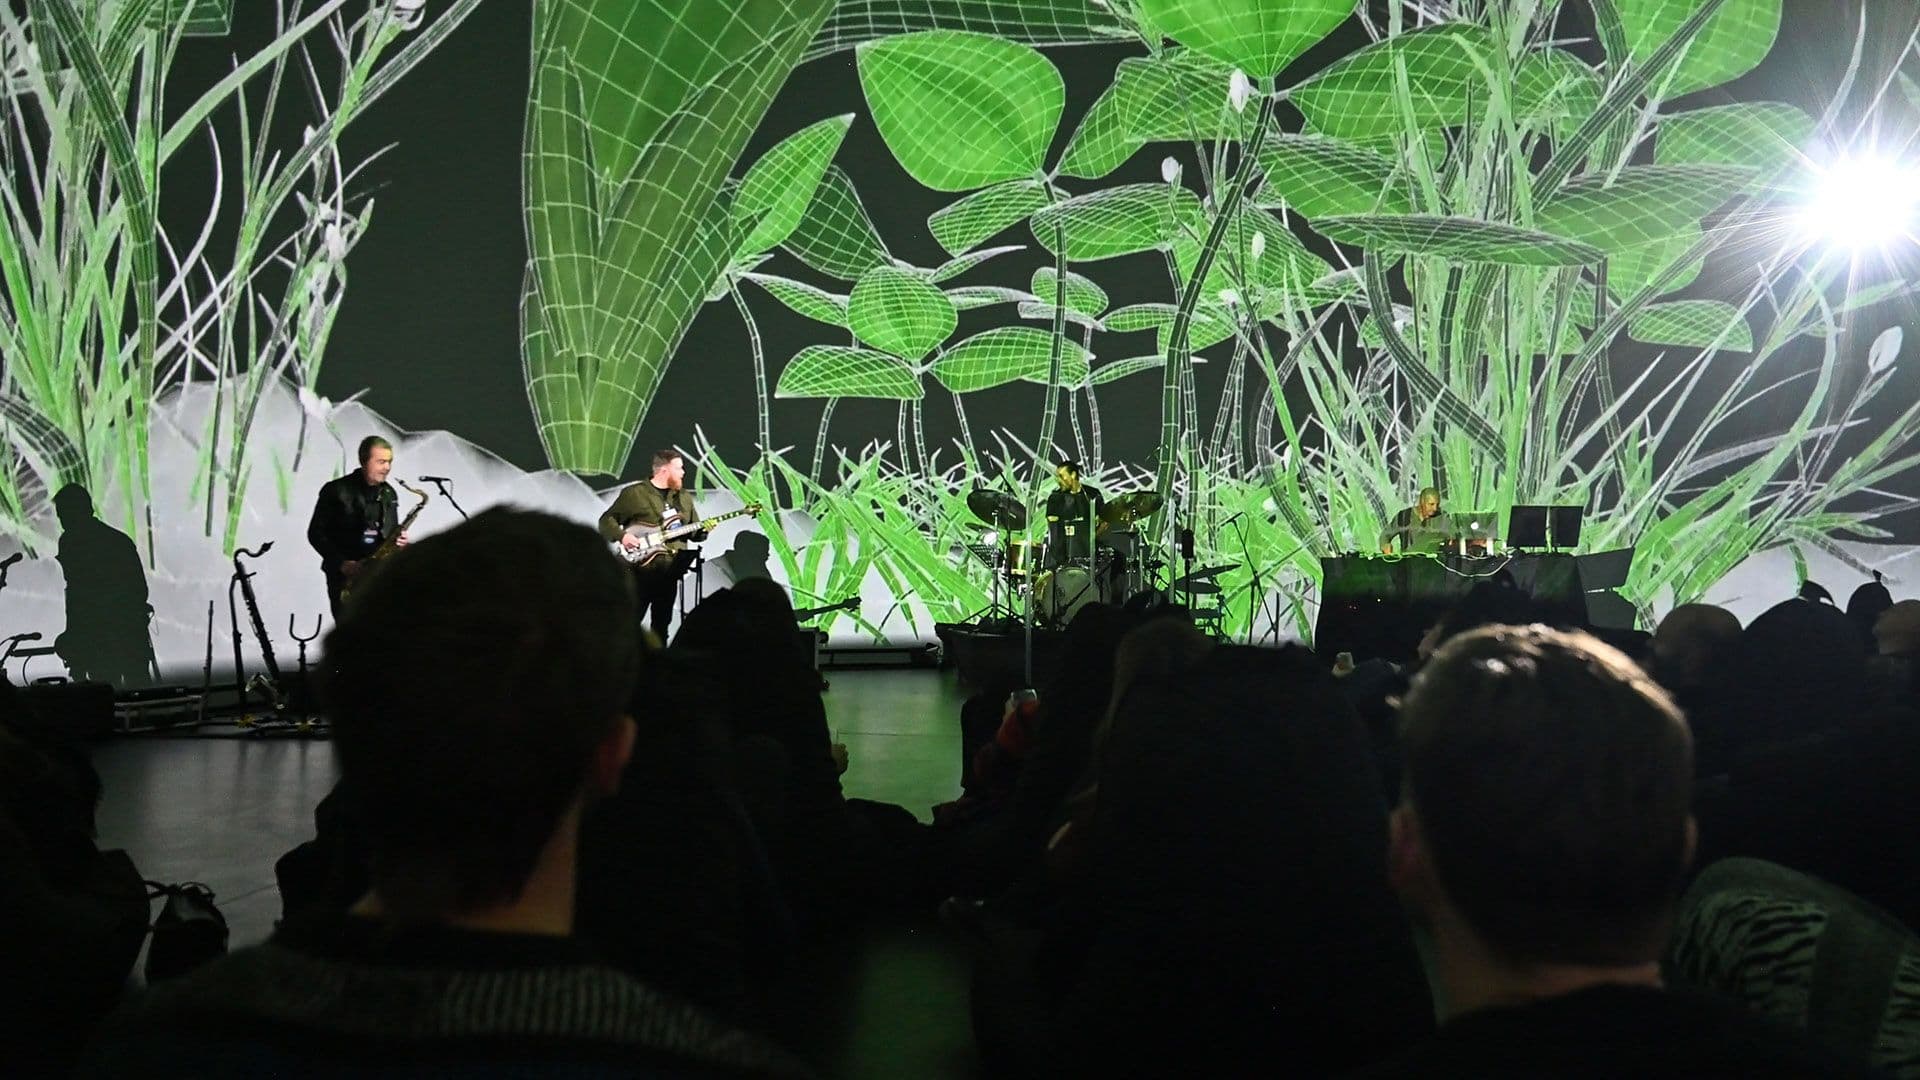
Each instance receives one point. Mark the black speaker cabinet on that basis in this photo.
(76, 710)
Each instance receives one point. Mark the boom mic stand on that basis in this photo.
(441, 483)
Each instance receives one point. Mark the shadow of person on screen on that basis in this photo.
(106, 639)
(747, 558)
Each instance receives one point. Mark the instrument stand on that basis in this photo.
(448, 495)
(206, 670)
(233, 620)
(307, 719)
(994, 614)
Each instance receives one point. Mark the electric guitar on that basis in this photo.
(851, 603)
(650, 541)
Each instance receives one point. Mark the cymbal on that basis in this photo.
(1130, 507)
(1207, 614)
(997, 508)
(1197, 588)
(1205, 572)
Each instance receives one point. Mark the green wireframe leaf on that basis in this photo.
(1631, 269)
(41, 440)
(1083, 295)
(1284, 265)
(1005, 355)
(1136, 317)
(961, 110)
(1118, 221)
(1464, 239)
(1643, 204)
(1555, 89)
(960, 264)
(1210, 325)
(900, 312)
(1178, 96)
(842, 371)
(1762, 135)
(968, 297)
(1694, 324)
(816, 304)
(195, 18)
(964, 224)
(1732, 43)
(1101, 143)
(1120, 369)
(565, 220)
(1055, 22)
(782, 183)
(1358, 98)
(1322, 177)
(835, 236)
(1259, 37)
(669, 91)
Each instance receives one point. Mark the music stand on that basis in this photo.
(1527, 527)
(1601, 573)
(1563, 527)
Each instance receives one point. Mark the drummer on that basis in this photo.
(1073, 518)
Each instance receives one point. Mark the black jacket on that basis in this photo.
(350, 518)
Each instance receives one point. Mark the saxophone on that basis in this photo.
(391, 543)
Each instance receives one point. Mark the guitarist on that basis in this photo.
(353, 515)
(660, 501)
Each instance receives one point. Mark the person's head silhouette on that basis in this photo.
(73, 505)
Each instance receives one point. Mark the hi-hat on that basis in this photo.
(997, 508)
(1204, 573)
(1130, 507)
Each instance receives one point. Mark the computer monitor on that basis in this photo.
(1527, 527)
(1563, 527)
(1475, 524)
(1472, 532)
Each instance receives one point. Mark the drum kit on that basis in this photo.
(1119, 567)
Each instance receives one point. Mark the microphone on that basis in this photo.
(436, 479)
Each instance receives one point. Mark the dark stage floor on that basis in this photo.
(221, 810)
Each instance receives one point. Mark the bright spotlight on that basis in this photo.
(1860, 202)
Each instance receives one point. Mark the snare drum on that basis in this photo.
(1024, 557)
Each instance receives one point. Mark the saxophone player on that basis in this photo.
(353, 515)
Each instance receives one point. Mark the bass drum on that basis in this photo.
(1059, 595)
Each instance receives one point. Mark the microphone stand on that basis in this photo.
(447, 495)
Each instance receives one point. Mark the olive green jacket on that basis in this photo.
(641, 504)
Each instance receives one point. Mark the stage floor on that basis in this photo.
(221, 810)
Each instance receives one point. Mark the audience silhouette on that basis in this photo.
(106, 638)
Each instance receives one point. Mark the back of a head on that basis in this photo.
(766, 599)
(1803, 666)
(1551, 779)
(468, 695)
(1868, 602)
(1495, 601)
(1692, 639)
(1897, 630)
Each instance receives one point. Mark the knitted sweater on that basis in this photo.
(338, 995)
